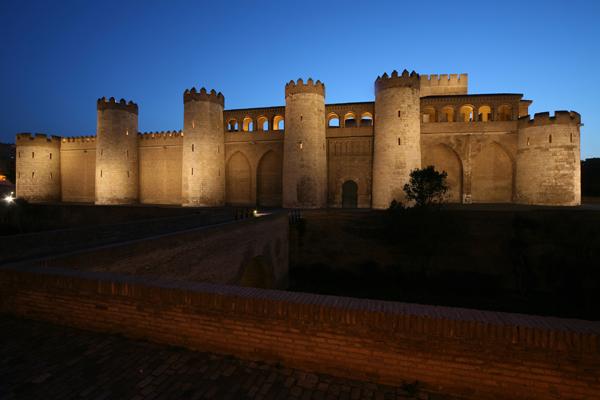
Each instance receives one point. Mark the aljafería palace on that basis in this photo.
(309, 154)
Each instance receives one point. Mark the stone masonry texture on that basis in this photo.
(303, 154)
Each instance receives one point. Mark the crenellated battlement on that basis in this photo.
(405, 79)
(299, 86)
(544, 118)
(203, 95)
(160, 135)
(444, 80)
(112, 104)
(79, 139)
(421, 119)
(444, 84)
(38, 138)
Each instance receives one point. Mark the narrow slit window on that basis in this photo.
(549, 138)
(528, 142)
(51, 177)
(192, 147)
(399, 113)
(126, 133)
(51, 156)
(571, 137)
(32, 154)
(100, 173)
(128, 174)
(192, 171)
(32, 174)
(399, 141)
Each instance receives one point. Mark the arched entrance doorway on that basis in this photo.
(349, 194)
(268, 180)
(492, 175)
(238, 183)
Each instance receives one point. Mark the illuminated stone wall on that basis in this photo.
(397, 144)
(304, 151)
(548, 159)
(443, 85)
(301, 155)
(117, 163)
(38, 167)
(203, 158)
(160, 167)
(78, 169)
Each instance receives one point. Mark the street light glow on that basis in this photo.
(9, 199)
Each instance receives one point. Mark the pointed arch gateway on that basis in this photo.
(268, 180)
(238, 180)
(492, 175)
(444, 158)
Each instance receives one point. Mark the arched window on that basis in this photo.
(466, 114)
(428, 115)
(333, 120)
(349, 120)
(447, 114)
(366, 119)
(484, 113)
(232, 125)
(248, 125)
(278, 123)
(505, 112)
(262, 123)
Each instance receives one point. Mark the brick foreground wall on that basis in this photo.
(471, 353)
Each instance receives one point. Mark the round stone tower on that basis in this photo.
(203, 163)
(397, 142)
(548, 170)
(117, 177)
(38, 167)
(304, 146)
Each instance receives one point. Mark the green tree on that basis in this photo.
(426, 186)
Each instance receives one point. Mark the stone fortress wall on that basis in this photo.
(38, 167)
(491, 149)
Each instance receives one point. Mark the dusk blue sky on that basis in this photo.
(58, 57)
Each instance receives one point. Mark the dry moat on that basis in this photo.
(425, 303)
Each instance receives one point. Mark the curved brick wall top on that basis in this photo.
(299, 86)
(204, 95)
(411, 80)
(560, 117)
(451, 322)
(111, 104)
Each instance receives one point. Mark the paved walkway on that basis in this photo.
(39, 360)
